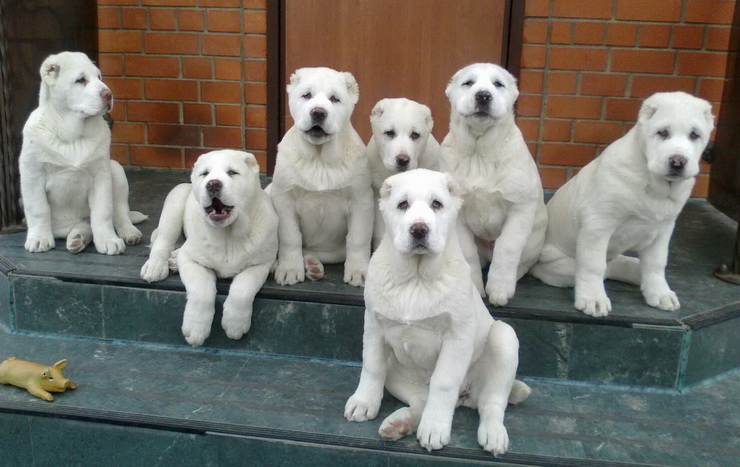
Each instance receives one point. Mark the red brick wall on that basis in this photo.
(188, 76)
(587, 66)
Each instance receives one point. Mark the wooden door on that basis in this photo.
(394, 48)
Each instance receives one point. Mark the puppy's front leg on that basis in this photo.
(507, 252)
(168, 232)
(289, 268)
(444, 390)
(365, 402)
(470, 252)
(200, 285)
(237, 316)
(100, 199)
(653, 260)
(591, 248)
(359, 236)
(36, 206)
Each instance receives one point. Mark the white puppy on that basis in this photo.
(402, 140)
(504, 204)
(429, 337)
(230, 228)
(627, 199)
(321, 184)
(70, 187)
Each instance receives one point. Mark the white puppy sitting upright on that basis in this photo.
(402, 140)
(504, 203)
(230, 228)
(429, 338)
(321, 184)
(627, 199)
(70, 187)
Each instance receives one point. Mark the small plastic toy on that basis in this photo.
(38, 379)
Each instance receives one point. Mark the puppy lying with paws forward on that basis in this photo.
(70, 187)
(627, 199)
(321, 185)
(230, 230)
(429, 338)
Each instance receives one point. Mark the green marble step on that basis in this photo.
(150, 405)
(100, 297)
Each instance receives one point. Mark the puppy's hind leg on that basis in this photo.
(624, 268)
(121, 212)
(404, 421)
(314, 268)
(555, 268)
(79, 237)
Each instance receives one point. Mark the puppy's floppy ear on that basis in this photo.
(456, 191)
(708, 115)
(647, 110)
(50, 69)
(251, 162)
(512, 85)
(450, 83)
(428, 120)
(377, 111)
(385, 192)
(352, 86)
(294, 79)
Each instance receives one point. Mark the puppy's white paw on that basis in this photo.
(235, 323)
(130, 235)
(289, 274)
(360, 409)
(76, 243)
(499, 293)
(172, 260)
(666, 300)
(154, 270)
(39, 243)
(195, 333)
(493, 437)
(397, 425)
(314, 269)
(433, 434)
(593, 303)
(355, 277)
(110, 246)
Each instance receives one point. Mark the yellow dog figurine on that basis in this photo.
(38, 379)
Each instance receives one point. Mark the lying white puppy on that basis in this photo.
(402, 140)
(428, 335)
(230, 228)
(70, 187)
(504, 203)
(627, 199)
(321, 184)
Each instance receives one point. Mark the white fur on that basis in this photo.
(240, 242)
(321, 184)
(504, 201)
(626, 199)
(428, 336)
(70, 187)
(402, 140)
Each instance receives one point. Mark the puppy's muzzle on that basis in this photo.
(318, 115)
(107, 97)
(419, 230)
(214, 187)
(483, 98)
(402, 162)
(676, 163)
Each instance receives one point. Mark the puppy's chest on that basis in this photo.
(226, 258)
(485, 213)
(417, 343)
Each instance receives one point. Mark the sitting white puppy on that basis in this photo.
(627, 199)
(428, 335)
(230, 228)
(321, 184)
(69, 186)
(504, 204)
(402, 140)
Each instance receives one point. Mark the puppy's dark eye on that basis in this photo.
(231, 173)
(693, 136)
(436, 205)
(81, 80)
(663, 134)
(334, 99)
(307, 95)
(204, 173)
(415, 136)
(403, 205)
(390, 133)
(499, 84)
(468, 83)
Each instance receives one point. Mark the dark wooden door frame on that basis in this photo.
(510, 58)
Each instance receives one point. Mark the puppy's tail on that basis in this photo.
(519, 392)
(137, 217)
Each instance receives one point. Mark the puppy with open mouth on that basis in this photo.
(428, 337)
(230, 229)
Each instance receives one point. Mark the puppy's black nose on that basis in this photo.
(106, 94)
(419, 230)
(214, 186)
(402, 160)
(318, 114)
(483, 97)
(677, 162)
